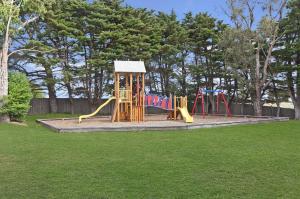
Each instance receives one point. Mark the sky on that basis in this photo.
(214, 7)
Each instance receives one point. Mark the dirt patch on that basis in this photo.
(18, 123)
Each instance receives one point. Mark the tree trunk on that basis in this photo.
(67, 77)
(211, 95)
(4, 65)
(276, 99)
(162, 84)
(101, 78)
(297, 111)
(184, 73)
(242, 108)
(294, 88)
(257, 107)
(278, 111)
(96, 89)
(232, 97)
(4, 78)
(51, 89)
(297, 98)
(256, 98)
(70, 94)
(52, 98)
(167, 85)
(4, 74)
(3, 87)
(150, 82)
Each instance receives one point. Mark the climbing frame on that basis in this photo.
(129, 93)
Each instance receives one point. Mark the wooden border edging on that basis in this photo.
(153, 128)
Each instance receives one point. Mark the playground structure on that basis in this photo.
(130, 100)
(200, 98)
(130, 103)
(129, 91)
(174, 105)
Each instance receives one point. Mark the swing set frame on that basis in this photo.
(200, 99)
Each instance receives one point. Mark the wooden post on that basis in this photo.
(186, 102)
(130, 88)
(180, 101)
(175, 107)
(115, 107)
(126, 91)
(118, 96)
(138, 94)
(143, 96)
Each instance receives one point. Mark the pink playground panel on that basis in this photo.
(159, 102)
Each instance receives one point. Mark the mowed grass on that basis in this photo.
(250, 161)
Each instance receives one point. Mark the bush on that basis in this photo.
(19, 96)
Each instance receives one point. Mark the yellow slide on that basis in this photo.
(186, 116)
(96, 111)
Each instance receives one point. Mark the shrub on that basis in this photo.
(19, 96)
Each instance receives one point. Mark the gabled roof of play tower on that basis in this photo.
(129, 67)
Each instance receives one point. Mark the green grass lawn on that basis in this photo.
(250, 161)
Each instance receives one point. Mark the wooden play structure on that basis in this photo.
(130, 99)
(129, 91)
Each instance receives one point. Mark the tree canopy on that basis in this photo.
(67, 48)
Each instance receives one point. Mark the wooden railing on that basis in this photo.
(125, 95)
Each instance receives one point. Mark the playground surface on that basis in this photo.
(152, 122)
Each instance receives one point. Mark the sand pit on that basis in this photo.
(153, 122)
